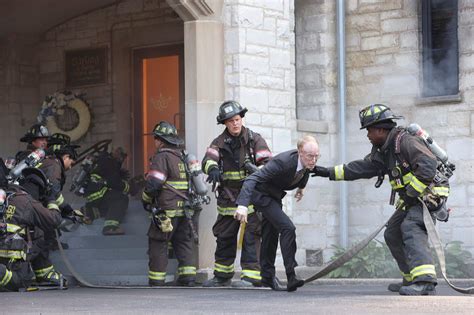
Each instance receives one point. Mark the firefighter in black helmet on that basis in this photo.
(36, 137)
(228, 110)
(169, 224)
(229, 159)
(24, 221)
(411, 168)
(54, 167)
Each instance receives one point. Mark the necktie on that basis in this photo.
(298, 176)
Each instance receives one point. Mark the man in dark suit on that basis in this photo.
(266, 188)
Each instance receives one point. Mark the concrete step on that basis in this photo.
(96, 229)
(86, 254)
(103, 242)
(113, 267)
(111, 260)
(107, 267)
(136, 216)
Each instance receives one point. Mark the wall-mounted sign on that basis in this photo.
(86, 67)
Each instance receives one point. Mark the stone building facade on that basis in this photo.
(383, 65)
(278, 58)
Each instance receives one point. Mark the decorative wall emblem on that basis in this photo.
(161, 103)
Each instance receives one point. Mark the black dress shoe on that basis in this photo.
(294, 283)
(273, 283)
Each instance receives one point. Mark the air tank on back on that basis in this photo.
(416, 130)
(197, 176)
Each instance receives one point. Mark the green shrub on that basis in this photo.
(376, 261)
(457, 260)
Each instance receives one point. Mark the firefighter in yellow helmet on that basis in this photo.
(412, 170)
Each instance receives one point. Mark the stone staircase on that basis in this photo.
(111, 260)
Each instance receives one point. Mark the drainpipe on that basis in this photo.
(341, 46)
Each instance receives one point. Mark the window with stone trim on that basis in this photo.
(440, 48)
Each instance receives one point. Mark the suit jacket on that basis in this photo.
(273, 179)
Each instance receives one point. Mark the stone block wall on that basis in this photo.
(104, 27)
(260, 70)
(259, 66)
(383, 65)
(19, 93)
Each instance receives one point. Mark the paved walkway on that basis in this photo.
(343, 298)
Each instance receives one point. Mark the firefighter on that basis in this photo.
(36, 138)
(226, 163)
(56, 140)
(23, 221)
(169, 224)
(54, 167)
(107, 191)
(60, 160)
(412, 170)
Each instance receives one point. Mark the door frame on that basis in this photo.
(138, 55)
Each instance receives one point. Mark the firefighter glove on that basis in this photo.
(241, 214)
(432, 201)
(320, 171)
(214, 177)
(66, 210)
(78, 216)
(165, 224)
(408, 200)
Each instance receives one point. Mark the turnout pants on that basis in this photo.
(14, 275)
(182, 241)
(276, 224)
(40, 262)
(112, 206)
(407, 239)
(226, 231)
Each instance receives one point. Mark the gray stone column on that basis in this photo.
(204, 92)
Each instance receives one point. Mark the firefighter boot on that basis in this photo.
(419, 288)
(185, 283)
(156, 283)
(113, 230)
(395, 287)
(293, 282)
(242, 283)
(52, 278)
(246, 282)
(217, 282)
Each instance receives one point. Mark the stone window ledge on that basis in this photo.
(456, 98)
(312, 126)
